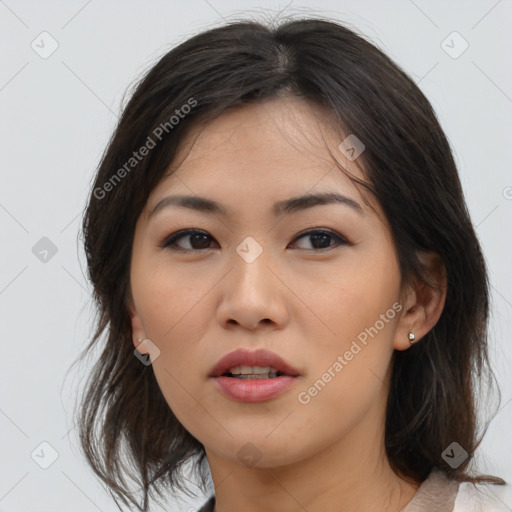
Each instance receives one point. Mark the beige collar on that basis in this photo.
(436, 494)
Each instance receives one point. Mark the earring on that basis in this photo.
(411, 338)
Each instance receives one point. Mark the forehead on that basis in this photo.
(262, 151)
(283, 129)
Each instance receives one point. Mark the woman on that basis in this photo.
(278, 228)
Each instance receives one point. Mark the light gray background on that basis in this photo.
(56, 117)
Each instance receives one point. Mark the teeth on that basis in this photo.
(260, 376)
(251, 370)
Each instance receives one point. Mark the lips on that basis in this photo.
(260, 357)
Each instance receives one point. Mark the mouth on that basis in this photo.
(243, 364)
(253, 376)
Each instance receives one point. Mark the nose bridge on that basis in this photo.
(250, 267)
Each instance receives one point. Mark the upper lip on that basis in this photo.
(260, 357)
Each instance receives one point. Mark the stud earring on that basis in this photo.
(411, 338)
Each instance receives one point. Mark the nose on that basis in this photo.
(252, 294)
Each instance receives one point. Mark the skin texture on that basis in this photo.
(308, 305)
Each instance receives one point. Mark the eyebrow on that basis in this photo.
(284, 207)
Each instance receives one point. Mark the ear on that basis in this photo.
(423, 304)
(138, 332)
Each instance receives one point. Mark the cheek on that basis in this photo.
(349, 296)
(169, 302)
(352, 338)
(349, 365)
(175, 314)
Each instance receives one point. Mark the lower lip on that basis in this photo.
(254, 390)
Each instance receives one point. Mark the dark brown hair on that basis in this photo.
(408, 166)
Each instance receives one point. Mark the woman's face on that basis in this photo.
(316, 284)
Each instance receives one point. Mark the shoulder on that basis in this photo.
(483, 498)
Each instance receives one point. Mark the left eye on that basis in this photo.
(320, 238)
(200, 240)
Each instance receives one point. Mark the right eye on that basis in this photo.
(197, 241)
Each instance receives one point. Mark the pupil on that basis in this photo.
(201, 246)
(322, 237)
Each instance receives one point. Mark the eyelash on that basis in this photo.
(170, 241)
